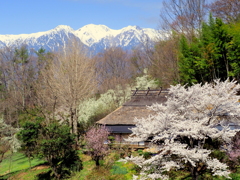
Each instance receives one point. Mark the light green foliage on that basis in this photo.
(125, 169)
(116, 169)
(213, 54)
(16, 162)
(145, 81)
(107, 101)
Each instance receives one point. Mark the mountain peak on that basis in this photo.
(96, 37)
(63, 27)
(93, 33)
(94, 27)
(135, 28)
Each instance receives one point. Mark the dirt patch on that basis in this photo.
(40, 167)
(21, 175)
(6, 172)
(85, 157)
(18, 177)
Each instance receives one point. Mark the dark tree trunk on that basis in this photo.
(97, 161)
(194, 173)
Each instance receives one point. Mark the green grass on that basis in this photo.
(29, 174)
(109, 169)
(88, 166)
(16, 167)
(16, 162)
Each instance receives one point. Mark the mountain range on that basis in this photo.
(94, 37)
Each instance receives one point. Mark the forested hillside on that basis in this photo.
(49, 100)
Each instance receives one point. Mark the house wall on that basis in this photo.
(120, 138)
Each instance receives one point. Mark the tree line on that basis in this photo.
(48, 89)
(45, 100)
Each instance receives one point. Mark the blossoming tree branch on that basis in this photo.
(182, 127)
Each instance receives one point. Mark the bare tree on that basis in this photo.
(227, 10)
(140, 60)
(164, 64)
(183, 16)
(113, 68)
(67, 81)
(17, 76)
(142, 55)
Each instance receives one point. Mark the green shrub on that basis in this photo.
(140, 152)
(116, 169)
(147, 155)
(178, 175)
(136, 168)
(235, 176)
(220, 155)
(53, 142)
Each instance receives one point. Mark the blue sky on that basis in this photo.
(30, 16)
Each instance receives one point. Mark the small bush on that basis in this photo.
(54, 142)
(235, 176)
(220, 155)
(140, 152)
(178, 175)
(147, 155)
(116, 169)
(136, 168)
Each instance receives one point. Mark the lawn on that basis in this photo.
(88, 166)
(16, 167)
(109, 169)
(16, 162)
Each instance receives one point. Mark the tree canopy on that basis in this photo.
(184, 125)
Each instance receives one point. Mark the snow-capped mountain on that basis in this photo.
(95, 37)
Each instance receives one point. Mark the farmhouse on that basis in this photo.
(120, 121)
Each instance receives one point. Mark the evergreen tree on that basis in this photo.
(213, 54)
(187, 66)
(234, 51)
(54, 143)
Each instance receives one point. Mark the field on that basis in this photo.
(17, 167)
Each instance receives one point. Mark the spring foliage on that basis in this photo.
(112, 99)
(95, 139)
(234, 151)
(213, 54)
(54, 143)
(8, 137)
(183, 125)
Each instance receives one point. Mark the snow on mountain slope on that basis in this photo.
(96, 37)
(50, 40)
(92, 33)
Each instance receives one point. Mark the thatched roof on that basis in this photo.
(135, 108)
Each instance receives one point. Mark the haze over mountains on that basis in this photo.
(95, 37)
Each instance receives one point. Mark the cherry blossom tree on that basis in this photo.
(234, 151)
(95, 139)
(182, 126)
